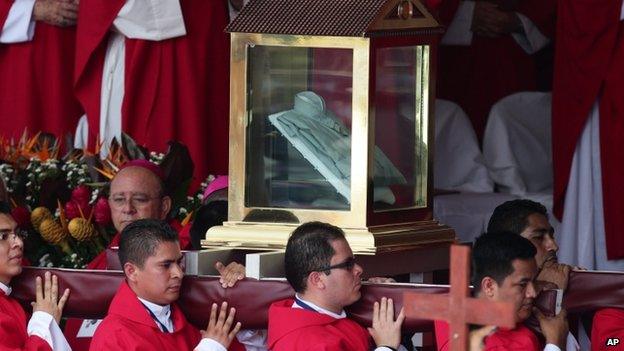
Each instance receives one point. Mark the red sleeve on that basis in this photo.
(14, 338)
(608, 326)
(5, 6)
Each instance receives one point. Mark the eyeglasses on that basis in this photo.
(134, 201)
(348, 264)
(13, 234)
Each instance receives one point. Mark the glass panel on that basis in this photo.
(401, 111)
(298, 152)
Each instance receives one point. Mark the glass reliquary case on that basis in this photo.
(331, 108)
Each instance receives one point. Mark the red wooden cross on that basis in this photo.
(458, 308)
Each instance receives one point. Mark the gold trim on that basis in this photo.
(362, 241)
(382, 23)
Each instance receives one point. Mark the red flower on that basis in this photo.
(71, 210)
(102, 213)
(81, 195)
(21, 215)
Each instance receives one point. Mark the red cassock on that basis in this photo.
(72, 326)
(175, 89)
(608, 326)
(128, 326)
(477, 76)
(36, 81)
(13, 335)
(519, 338)
(295, 329)
(589, 64)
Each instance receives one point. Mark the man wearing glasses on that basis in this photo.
(42, 331)
(137, 192)
(321, 269)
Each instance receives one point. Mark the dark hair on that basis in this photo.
(512, 216)
(309, 249)
(209, 215)
(140, 238)
(5, 208)
(493, 254)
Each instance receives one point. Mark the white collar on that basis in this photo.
(7, 289)
(163, 313)
(318, 309)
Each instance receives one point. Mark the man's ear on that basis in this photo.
(165, 207)
(130, 270)
(489, 287)
(316, 280)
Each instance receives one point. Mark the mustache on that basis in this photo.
(551, 257)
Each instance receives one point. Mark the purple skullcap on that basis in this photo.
(220, 182)
(154, 168)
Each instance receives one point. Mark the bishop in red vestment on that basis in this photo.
(173, 89)
(478, 73)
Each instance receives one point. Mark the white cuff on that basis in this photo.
(150, 20)
(39, 325)
(458, 32)
(207, 344)
(531, 40)
(385, 348)
(551, 347)
(43, 325)
(253, 339)
(19, 26)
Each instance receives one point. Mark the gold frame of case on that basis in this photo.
(368, 230)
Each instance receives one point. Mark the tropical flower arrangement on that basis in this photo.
(62, 201)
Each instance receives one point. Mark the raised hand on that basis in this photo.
(47, 297)
(220, 327)
(556, 273)
(230, 274)
(477, 337)
(555, 329)
(385, 330)
(62, 13)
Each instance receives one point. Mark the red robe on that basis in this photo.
(477, 76)
(36, 81)
(588, 64)
(13, 334)
(608, 324)
(174, 89)
(72, 326)
(295, 329)
(128, 326)
(520, 339)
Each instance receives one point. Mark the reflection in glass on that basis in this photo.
(401, 109)
(298, 128)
